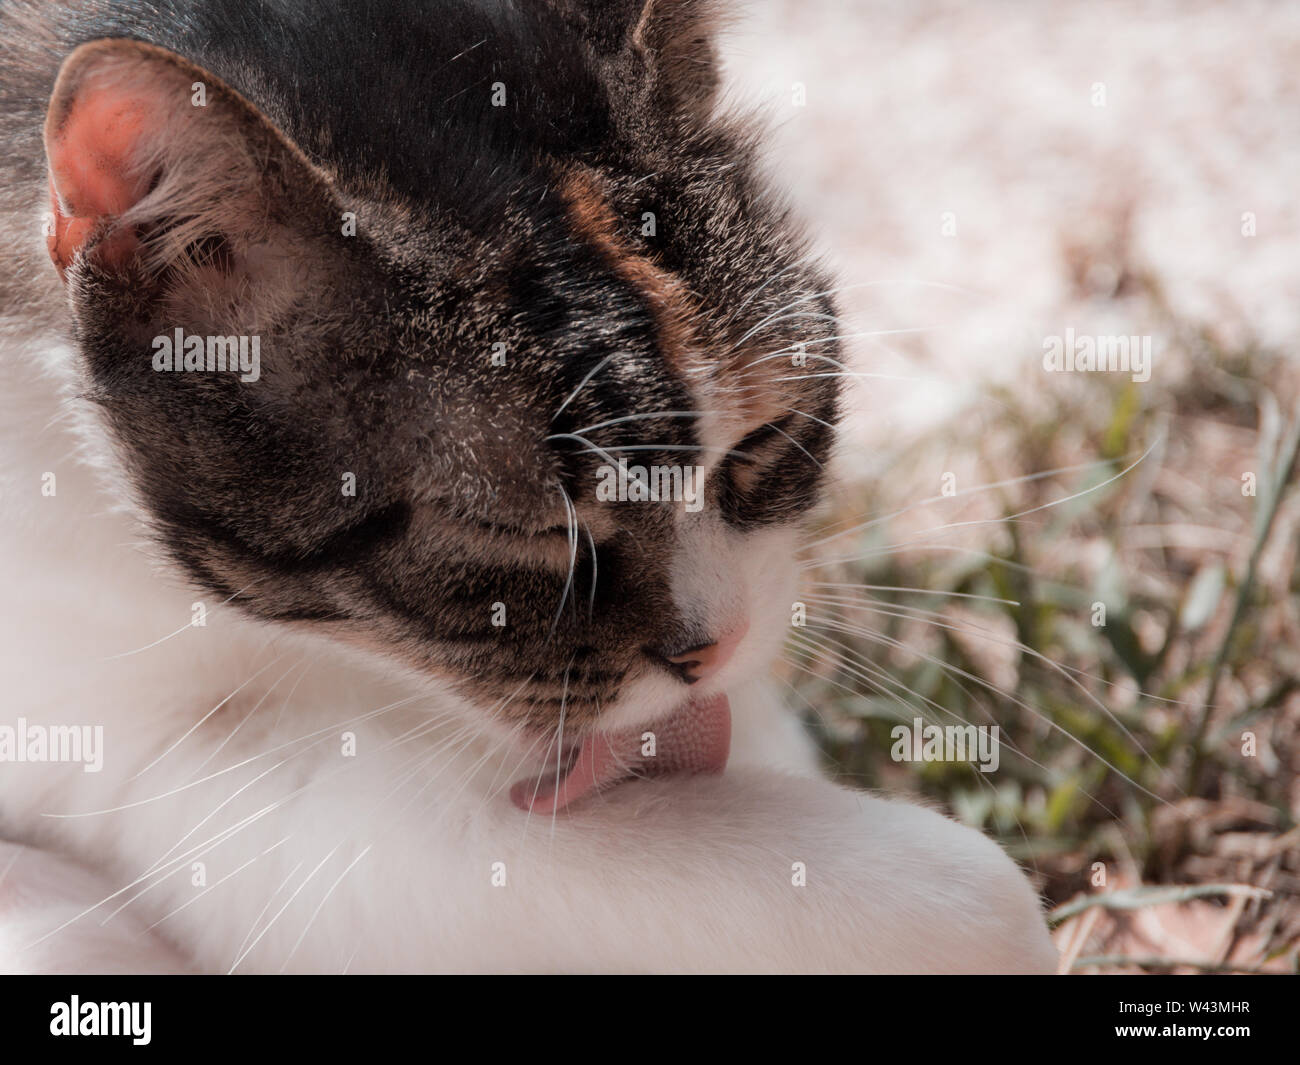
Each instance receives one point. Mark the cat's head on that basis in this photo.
(499, 254)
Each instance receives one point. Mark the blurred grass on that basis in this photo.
(1122, 742)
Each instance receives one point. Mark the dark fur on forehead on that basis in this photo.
(392, 89)
(519, 226)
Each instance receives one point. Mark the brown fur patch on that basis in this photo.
(755, 394)
(670, 305)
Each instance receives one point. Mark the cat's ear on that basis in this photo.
(156, 165)
(673, 41)
(676, 37)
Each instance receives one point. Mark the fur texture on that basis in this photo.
(314, 778)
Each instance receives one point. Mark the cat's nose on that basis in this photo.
(707, 659)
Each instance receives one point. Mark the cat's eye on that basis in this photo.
(518, 532)
(565, 530)
(764, 434)
(755, 451)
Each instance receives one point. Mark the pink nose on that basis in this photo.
(707, 660)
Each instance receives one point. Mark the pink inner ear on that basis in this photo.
(91, 176)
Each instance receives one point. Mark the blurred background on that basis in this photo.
(986, 177)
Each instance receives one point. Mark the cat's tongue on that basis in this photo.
(696, 739)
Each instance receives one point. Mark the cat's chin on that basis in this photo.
(693, 739)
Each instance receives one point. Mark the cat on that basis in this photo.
(383, 683)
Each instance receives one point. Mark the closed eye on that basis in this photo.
(751, 448)
(751, 444)
(518, 531)
(759, 451)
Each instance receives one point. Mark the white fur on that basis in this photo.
(315, 861)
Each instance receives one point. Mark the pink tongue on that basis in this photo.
(697, 739)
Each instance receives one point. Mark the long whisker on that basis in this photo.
(922, 615)
(988, 784)
(796, 443)
(868, 678)
(316, 912)
(194, 852)
(258, 919)
(838, 289)
(419, 729)
(322, 733)
(559, 746)
(644, 417)
(188, 732)
(665, 447)
(767, 323)
(776, 276)
(572, 514)
(187, 625)
(918, 591)
(984, 488)
(916, 614)
(792, 349)
(289, 901)
(583, 384)
(868, 634)
(244, 720)
(211, 887)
